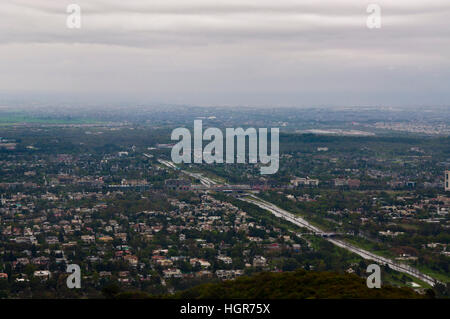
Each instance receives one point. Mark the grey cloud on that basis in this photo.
(221, 52)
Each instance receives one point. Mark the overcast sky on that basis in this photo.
(228, 52)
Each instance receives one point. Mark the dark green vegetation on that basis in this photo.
(299, 284)
(296, 285)
(375, 160)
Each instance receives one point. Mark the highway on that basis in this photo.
(279, 212)
(204, 180)
(299, 221)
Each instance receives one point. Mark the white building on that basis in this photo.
(42, 274)
(304, 181)
(259, 261)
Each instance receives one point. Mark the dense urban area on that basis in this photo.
(103, 193)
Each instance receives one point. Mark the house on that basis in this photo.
(304, 181)
(105, 239)
(88, 239)
(259, 261)
(225, 274)
(42, 274)
(340, 182)
(274, 246)
(204, 273)
(196, 261)
(105, 274)
(41, 260)
(52, 240)
(225, 259)
(132, 260)
(164, 262)
(353, 183)
(172, 273)
(121, 236)
(177, 184)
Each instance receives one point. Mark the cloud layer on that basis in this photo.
(221, 52)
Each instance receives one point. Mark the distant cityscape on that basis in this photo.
(107, 197)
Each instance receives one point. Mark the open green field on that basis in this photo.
(438, 275)
(17, 118)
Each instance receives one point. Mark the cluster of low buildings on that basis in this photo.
(205, 238)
